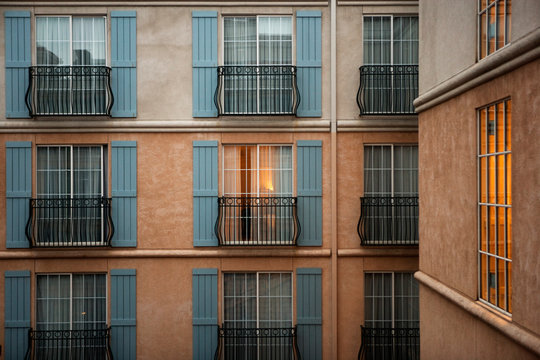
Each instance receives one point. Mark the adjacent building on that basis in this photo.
(479, 179)
(190, 180)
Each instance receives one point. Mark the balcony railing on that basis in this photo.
(70, 222)
(257, 90)
(257, 343)
(257, 221)
(390, 344)
(69, 90)
(388, 221)
(387, 89)
(69, 344)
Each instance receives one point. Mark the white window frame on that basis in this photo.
(393, 295)
(392, 40)
(257, 273)
(485, 206)
(106, 36)
(71, 294)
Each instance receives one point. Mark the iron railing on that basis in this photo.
(69, 90)
(388, 221)
(70, 222)
(387, 89)
(69, 344)
(390, 344)
(257, 221)
(257, 343)
(257, 90)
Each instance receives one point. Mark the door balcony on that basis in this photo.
(257, 90)
(257, 221)
(69, 91)
(387, 89)
(70, 222)
(390, 344)
(69, 344)
(388, 221)
(257, 343)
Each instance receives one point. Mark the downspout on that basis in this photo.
(333, 181)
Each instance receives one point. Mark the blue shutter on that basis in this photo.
(18, 59)
(18, 192)
(308, 62)
(124, 193)
(309, 313)
(205, 192)
(205, 299)
(16, 313)
(123, 314)
(204, 24)
(124, 63)
(309, 187)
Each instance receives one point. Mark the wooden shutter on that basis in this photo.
(16, 313)
(309, 312)
(205, 299)
(18, 59)
(205, 192)
(18, 192)
(124, 63)
(308, 62)
(124, 193)
(309, 188)
(204, 45)
(123, 314)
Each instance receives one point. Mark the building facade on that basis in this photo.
(479, 179)
(229, 180)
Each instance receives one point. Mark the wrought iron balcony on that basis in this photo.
(70, 222)
(387, 89)
(257, 221)
(69, 344)
(388, 221)
(257, 90)
(257, 343)
(390, 344)
(69, 90)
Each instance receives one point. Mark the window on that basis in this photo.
(391, 43)
(494, 22)
(495, 205)
(257, 206)
(71, 317)
(391, 312)
(70, 77)
(70, 209)
(390, 40)
(258, 73)
(258, 301)
(389, 208)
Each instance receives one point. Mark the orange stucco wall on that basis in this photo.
(448, 218)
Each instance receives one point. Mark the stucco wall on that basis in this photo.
(448, 189)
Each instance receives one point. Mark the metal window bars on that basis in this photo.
(390, 344)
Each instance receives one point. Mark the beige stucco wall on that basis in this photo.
(448, 189)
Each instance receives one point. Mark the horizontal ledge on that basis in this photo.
(161, 253)
(17, 126)
(503, 61)
(162, 3)
(379, 124)
(376, 3)
(370, 252)
(514, 332)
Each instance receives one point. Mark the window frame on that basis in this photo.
(71, 16)
(393, 169)
(103, 164)
(392, 40)
(393, 296)
(496, 205)
(257, 296)
(70, 274)
(507, 30)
